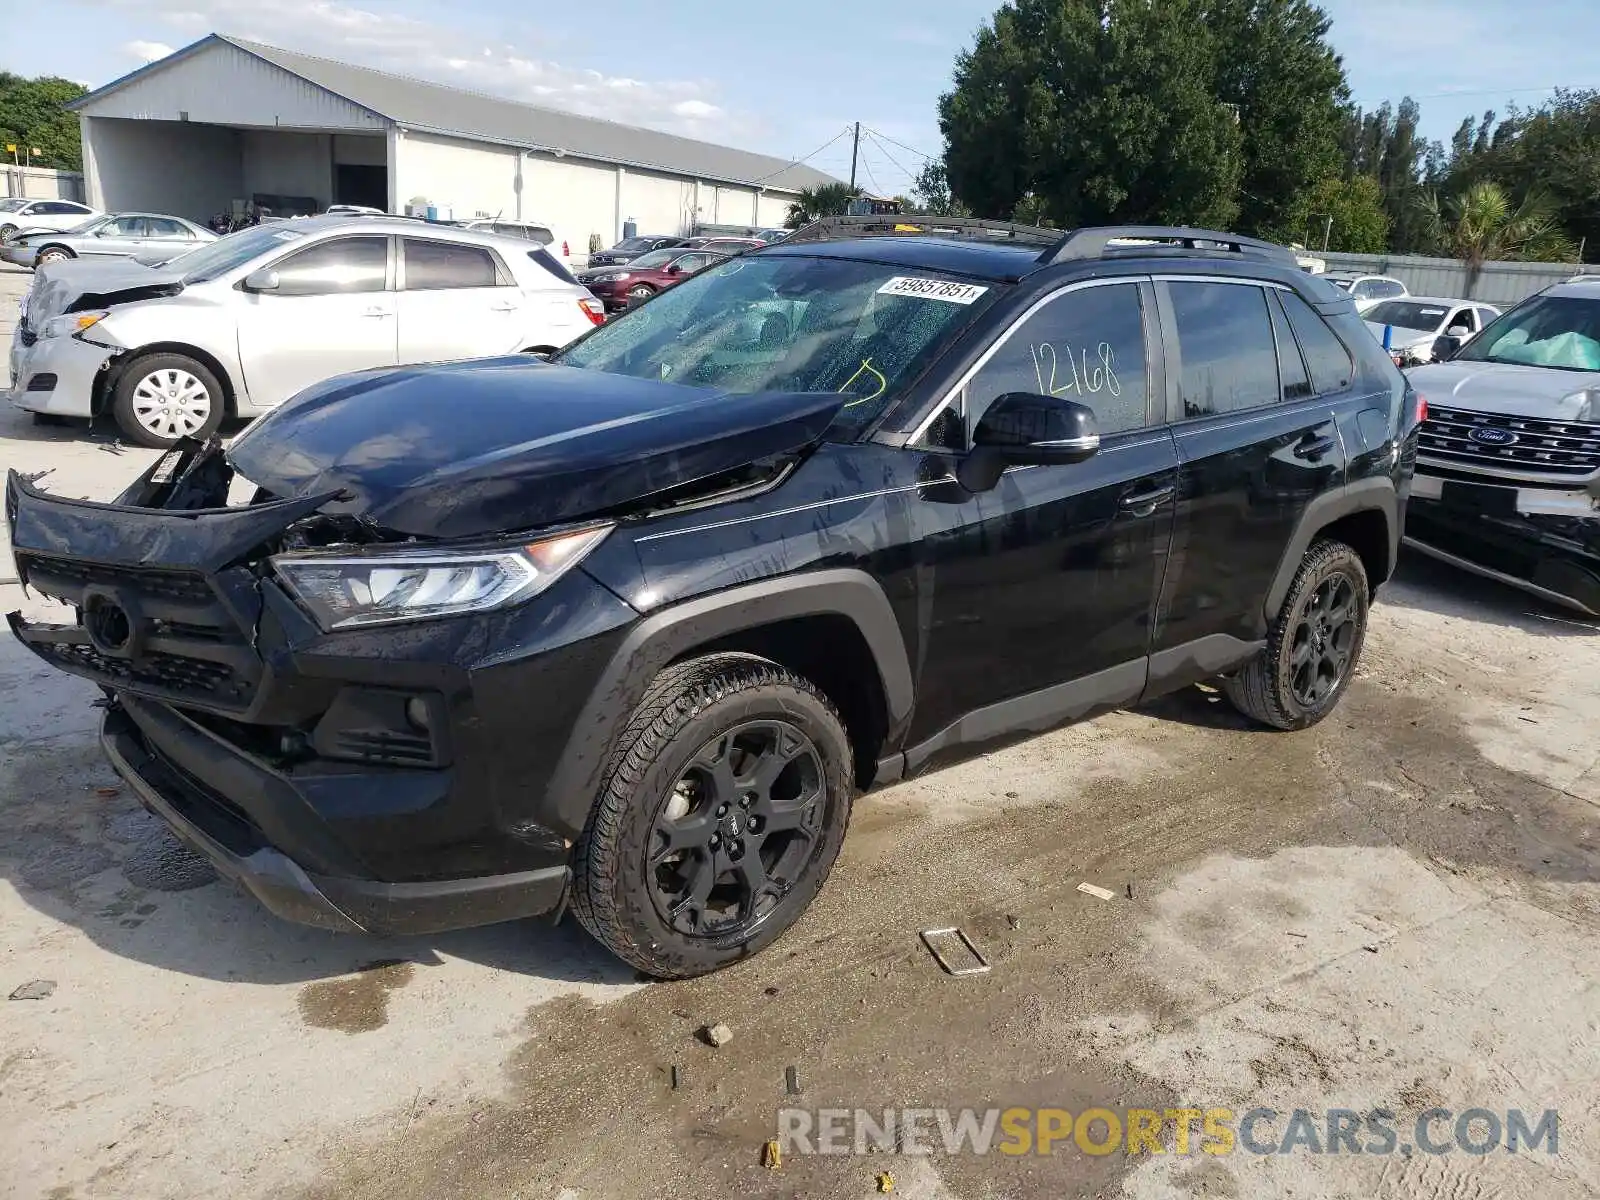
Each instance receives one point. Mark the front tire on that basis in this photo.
(1313, 646)
(52, 254)
(641, 293)
(163, 397)
(723, 809)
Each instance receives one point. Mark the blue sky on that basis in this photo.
(785, 79)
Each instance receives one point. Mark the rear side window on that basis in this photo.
(337, 267)
(435, 266)
(1086, 345)
(1389, 288)
(1330, 363)
(1291, 367)
(552, 264)
(1229, 361)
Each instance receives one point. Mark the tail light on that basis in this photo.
(593, 309)
(566, 250)
(1422, 408)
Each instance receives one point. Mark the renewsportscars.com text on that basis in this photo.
(1219, 1131)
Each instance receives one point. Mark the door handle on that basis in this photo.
(504, 307)
(377, 312)
(1312, 447)
(1143, 504)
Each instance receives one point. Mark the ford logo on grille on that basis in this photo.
(1488, 435)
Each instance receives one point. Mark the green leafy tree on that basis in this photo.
(824, 200)
(33, 114)
(930, 193)
(1102, 110)
(1215, 112)
(1349, 213)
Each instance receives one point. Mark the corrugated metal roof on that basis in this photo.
(432, 107)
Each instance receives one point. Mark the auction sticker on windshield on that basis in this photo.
(932, 289)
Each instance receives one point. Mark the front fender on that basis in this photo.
(673, 632)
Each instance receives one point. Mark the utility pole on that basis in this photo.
(1327, 233)
(855, 148)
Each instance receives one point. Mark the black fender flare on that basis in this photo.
(1376, 493)
(666, 635)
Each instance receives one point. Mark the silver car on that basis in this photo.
(118, 235)
(243, 323)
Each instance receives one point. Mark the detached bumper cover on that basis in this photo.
(224, 833)
(1557, 557)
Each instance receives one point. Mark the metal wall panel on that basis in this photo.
(1498, 283)
(220, 84)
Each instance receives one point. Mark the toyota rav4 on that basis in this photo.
(631, 629)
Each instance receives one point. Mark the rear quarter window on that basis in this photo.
(1331, 364)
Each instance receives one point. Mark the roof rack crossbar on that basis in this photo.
(1095, 242)
(888, 224)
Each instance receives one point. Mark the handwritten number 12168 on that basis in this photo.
(1084, 378)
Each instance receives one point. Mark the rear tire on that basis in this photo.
(163, 397)
(721, 813)
(1314, 645)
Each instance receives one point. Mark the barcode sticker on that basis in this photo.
(932, 289)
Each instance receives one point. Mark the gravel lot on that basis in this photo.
(1396, 909)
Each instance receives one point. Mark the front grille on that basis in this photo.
(384, 746)
(191, 648)
(1567, 449)
(44, 381)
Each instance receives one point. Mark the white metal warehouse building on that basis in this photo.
(227, 120)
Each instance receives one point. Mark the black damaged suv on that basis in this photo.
(631, 629)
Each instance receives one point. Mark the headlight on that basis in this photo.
(611, 277)
(71, 323)
(370, 589)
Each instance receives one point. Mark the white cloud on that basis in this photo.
(407, 45)
(147, 51)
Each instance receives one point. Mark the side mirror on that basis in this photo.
(1027, 429)
(263, 280)
(674, 269)
(1445, 345)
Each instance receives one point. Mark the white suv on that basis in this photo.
(18, 213)
(244, 323)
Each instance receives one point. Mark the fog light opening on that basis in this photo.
(418, 713)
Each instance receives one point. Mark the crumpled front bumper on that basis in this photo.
(176, 768)
(56, 375)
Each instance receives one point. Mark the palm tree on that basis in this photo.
(1482, 225)
(825, 200)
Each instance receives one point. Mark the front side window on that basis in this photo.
(1328, 360)
(791, 324)
(1408, 314)
(127, 227)
(1546, 331)
(1225, 344)
(1085, 345)
(1390, 287)
(337, 267)
(687, 264)
(433, 266)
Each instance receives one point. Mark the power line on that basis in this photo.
(867, 167)
(902, 145)
(908, 174)
(845, 132)
(1484, 92)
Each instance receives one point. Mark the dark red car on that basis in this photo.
(617, 287)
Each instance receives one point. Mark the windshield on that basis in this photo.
(634, 243)
(787, 324)
(1407, 314)
(223, 255)
(656, 258)
(1548, 331)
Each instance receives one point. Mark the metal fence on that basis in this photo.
(1498, 283)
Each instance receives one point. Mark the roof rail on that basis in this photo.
(825, 229)
(1095, 242)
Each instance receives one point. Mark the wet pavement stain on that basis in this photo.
(356, 1003)
(164, 864)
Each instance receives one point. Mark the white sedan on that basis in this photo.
(18, 212)
(1414, 322)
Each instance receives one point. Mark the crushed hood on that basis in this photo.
(500, 445)
(1510, 389)
(75, 286)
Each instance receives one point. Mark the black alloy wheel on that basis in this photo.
(1324, 639)
(733, 835)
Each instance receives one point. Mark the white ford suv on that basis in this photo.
(244, 323)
